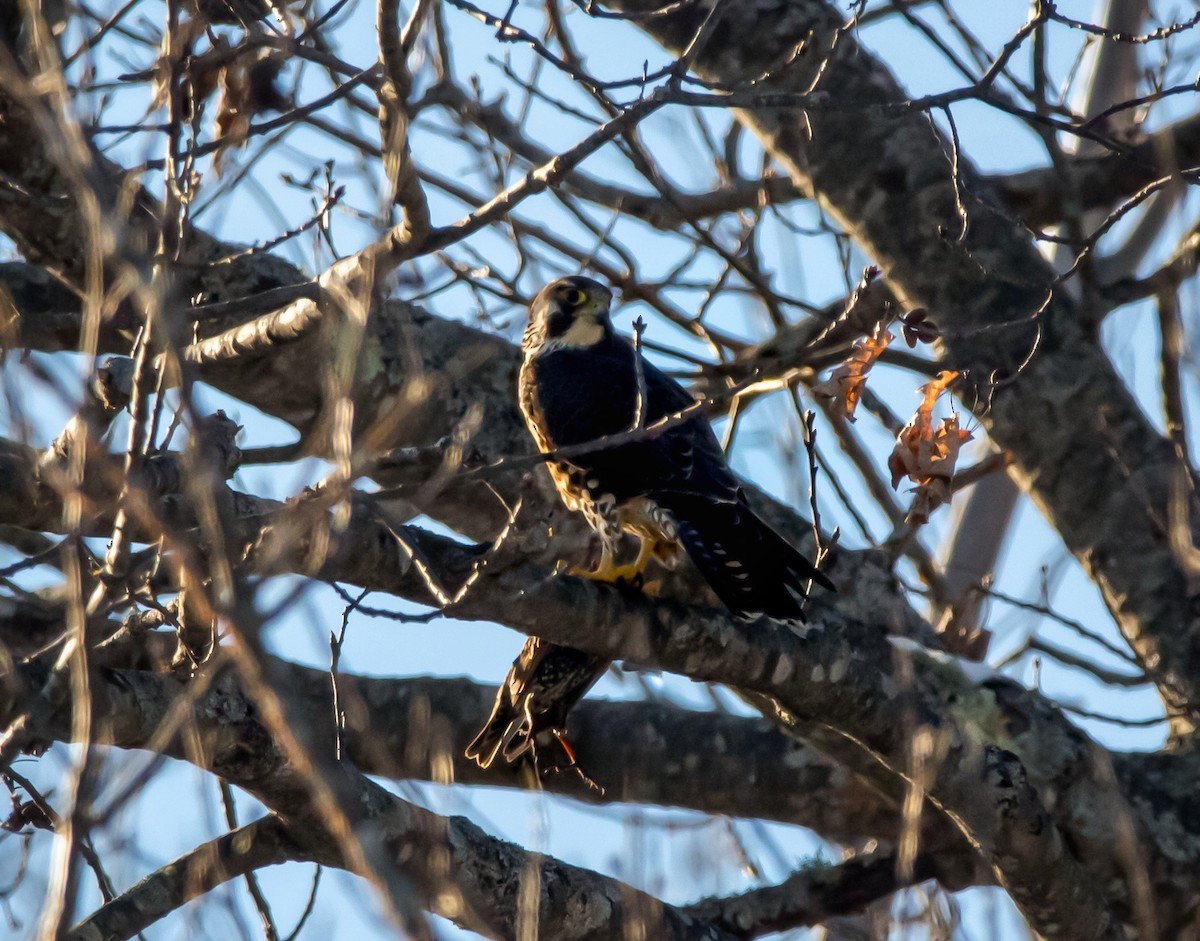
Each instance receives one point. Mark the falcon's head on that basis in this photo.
(570, 312)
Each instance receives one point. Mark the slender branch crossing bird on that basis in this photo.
(641, 461)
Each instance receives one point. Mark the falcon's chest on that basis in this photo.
(568, 400)
(569, 481)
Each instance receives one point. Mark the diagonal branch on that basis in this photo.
(1099, 181)
(812, 895)
(265, 842)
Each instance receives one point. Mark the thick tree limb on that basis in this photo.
(415, 728)
(1100, 181)
(638, 752)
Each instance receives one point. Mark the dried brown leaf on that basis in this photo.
(927, 455)
(845, 384)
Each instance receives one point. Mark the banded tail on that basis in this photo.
(750, 567)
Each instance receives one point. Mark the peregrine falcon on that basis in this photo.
(581, 384)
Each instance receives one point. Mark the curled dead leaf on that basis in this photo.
(845, 384)
(926, 454)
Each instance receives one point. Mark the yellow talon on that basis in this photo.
(610, 573)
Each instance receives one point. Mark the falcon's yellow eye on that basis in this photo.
(575, 297)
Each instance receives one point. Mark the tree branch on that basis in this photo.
(265, 842)
(812, 895)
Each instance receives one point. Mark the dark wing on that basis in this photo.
(750, 567)
(545, 682)
(592, 393)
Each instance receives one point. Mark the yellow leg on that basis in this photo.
(602, 572)
(645, 554)
(608, 571)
